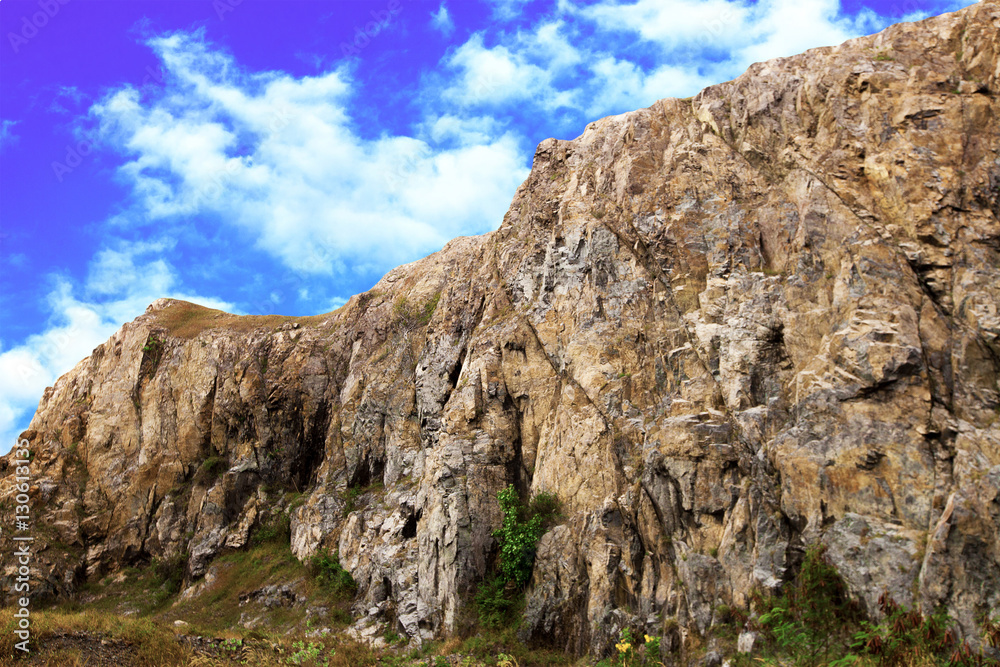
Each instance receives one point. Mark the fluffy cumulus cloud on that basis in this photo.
(537, 67)
(588, 59)
(740, 33)
(277, 158)
(121, 282)
(266, 157)
(622, 81)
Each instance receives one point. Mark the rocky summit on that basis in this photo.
(720, 331)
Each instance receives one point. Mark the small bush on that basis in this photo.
(518, 539)
(726, 615)
(170, 572)
(991, 630)
(277, 528)
(213, 466)
(410, 314)
(152, 353)
(429, 307)
(907, 637)
(814, 622)
(812, 617)
(351, 499)
(495, 603)
(340, 616)
(546, 507)
(332, 575)
(392, 637)
(500, 596)
(306, 653)
(626, 649)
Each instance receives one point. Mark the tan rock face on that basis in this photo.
(719, 330)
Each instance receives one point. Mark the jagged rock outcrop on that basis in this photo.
(719, 329)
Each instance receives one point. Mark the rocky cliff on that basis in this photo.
(719, 329)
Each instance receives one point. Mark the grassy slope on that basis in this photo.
(186, 320)
(128, 619)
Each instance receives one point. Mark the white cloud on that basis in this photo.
(537, 66)
(277, 157)
(464, 130)
(497, 76)
(113, 270)
(742, 34)
(441, 21)
(67, 98)
(623, 83)
(550, 42)
(670, 23)
(505, 10)
(587, 60)
(77, 326)
(786, 27)
(552, 67)
(7, 136)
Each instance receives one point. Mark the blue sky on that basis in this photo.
(278, 157)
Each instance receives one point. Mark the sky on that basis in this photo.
(265, 156)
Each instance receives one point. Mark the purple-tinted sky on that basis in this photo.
(266, 156)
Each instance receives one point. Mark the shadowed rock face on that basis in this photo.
(719, 329)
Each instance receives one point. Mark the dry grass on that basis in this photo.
(106, 639)
(97, 638)
(449, 646)
(91, 637)
(186, 320)
(216, 611)
(128, 620)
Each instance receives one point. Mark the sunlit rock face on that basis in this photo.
(719, 329)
